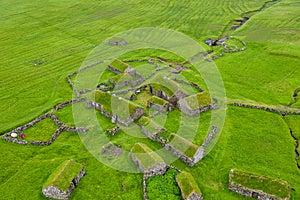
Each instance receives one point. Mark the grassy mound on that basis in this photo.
(119, 65)
(146, 157)
(169, 89)
(187, 184)
(158, 101)
(163, 186)
(198, 100)
(268, 185)
(63, 175)
(184, 146)
(115, 105)
(149, 124)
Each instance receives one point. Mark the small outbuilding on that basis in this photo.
(147, 160)
(188, 186)
(63, 180)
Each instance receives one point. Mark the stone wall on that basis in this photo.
(210, 136)
(161, 94)
(192, 84)
(183, 107)
(253, 193)
(113, 70)
(153, 136)
(189, 161)
(67, 103)
(55, 193)
(146, 176)
(281, 112)
(200, 153)
(157, 169)
(137, 113)
(118, 43)
(194, 196)
(160, 108)
(62, 127)
(80, 70)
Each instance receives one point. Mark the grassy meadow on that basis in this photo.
(44, 41)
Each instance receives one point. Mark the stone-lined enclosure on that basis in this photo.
(62, 126)
(168, 103)
(151, 164)
(191, 161)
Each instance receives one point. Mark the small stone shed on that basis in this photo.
(188, 186)
(63, 180)
(257, 186)
(147, 161)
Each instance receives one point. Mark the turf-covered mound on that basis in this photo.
(184, 149)
(63, 180)
(195, 104)
(188, 186)
(256, 186)
(163, 187)
(182, 145)
(125, 110)
(148, 161)
(117, 66)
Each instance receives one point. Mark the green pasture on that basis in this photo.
(44, 41)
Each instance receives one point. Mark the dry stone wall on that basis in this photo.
(253, 193)
(77, 92)
(137, 113)
(157, 169)
(185, 108)
(62, 127)
(281, 112)
(189, 161)
(194, 85)
(67, 103)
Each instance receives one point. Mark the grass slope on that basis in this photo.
(42, 42)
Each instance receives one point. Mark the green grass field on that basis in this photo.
(44, 41)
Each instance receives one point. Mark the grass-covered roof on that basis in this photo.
(119, 65)
(198, 100)
(183, 145)
(266, 184)
(115, 105)
(158, 101)
(63, 175)
(187, 184)
(146, 157)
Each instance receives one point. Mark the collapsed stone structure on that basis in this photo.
(112, 150)
(113, 131)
